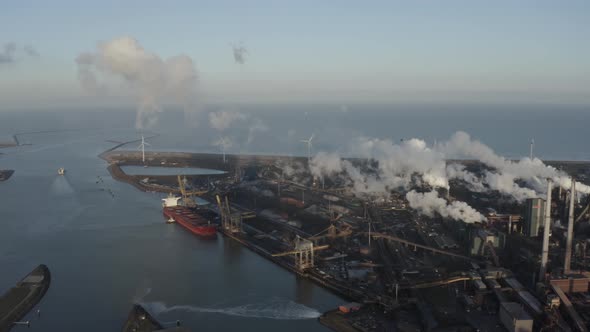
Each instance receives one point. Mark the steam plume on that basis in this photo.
(430, 203)
(10, 51)
(150, 77)
(412, 163)
(223, 119)
(239, 52)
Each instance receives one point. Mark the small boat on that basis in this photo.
(61, 171)
(170, 220)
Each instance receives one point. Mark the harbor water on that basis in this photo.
(106, 252)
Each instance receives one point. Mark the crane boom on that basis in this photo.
(293, 252)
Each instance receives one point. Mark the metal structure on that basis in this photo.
(570, 231)
(569, 309)
(332, 232)
(308, 143)
(546, 228)
(142, 147)
(187, 196)
(416, 245)
(304, 253)
(230, 222)
(490, 248)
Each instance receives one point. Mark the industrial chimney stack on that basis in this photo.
(570, 230)
(547, 227)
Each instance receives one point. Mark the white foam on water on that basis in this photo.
(141, 294)
(275, 309)
(61, 186)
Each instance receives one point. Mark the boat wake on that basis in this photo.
(276, 309)
(61, 186)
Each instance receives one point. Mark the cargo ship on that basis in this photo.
(16, 303)
(5, 174)
(191, 218)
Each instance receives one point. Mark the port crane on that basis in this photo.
(187, 196)
(304, 253)
(332, 232)
(231, 222)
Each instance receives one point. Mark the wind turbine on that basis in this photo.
(142, 147)
(308, 142)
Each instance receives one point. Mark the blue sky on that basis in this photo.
(310, 51)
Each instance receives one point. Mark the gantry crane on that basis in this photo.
(304, 253)
(332, 232)
(187, 196)
(231, 222)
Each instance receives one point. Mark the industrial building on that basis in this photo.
(533, 217)
(515, 318)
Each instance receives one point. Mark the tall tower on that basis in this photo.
(570, 231)
(547, 226)
(533, 217)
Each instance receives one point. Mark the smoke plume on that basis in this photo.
(10, 51)
(430, 203)
(150, 77)
(239, 52)
(223, 143)
(505, 172)
(222, 120)
(255, 128)
(411, 163)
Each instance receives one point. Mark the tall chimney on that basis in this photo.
(547, 227)
(570, 230)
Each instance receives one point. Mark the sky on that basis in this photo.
(308, 51)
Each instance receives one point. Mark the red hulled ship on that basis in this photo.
(188, 217)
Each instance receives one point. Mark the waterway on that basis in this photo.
(107, 252)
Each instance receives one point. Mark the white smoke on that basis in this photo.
(505, 172)
(255, 128)
(9, 52)
(222, 120)
(456, 171)
(396, 165)
(412, 163)
(239, 52)
(149, 76)
(430, 203)
(224, 142)
(325, 164)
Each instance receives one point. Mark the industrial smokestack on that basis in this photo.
(570, 230)
(532, 146)
(545, 252)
